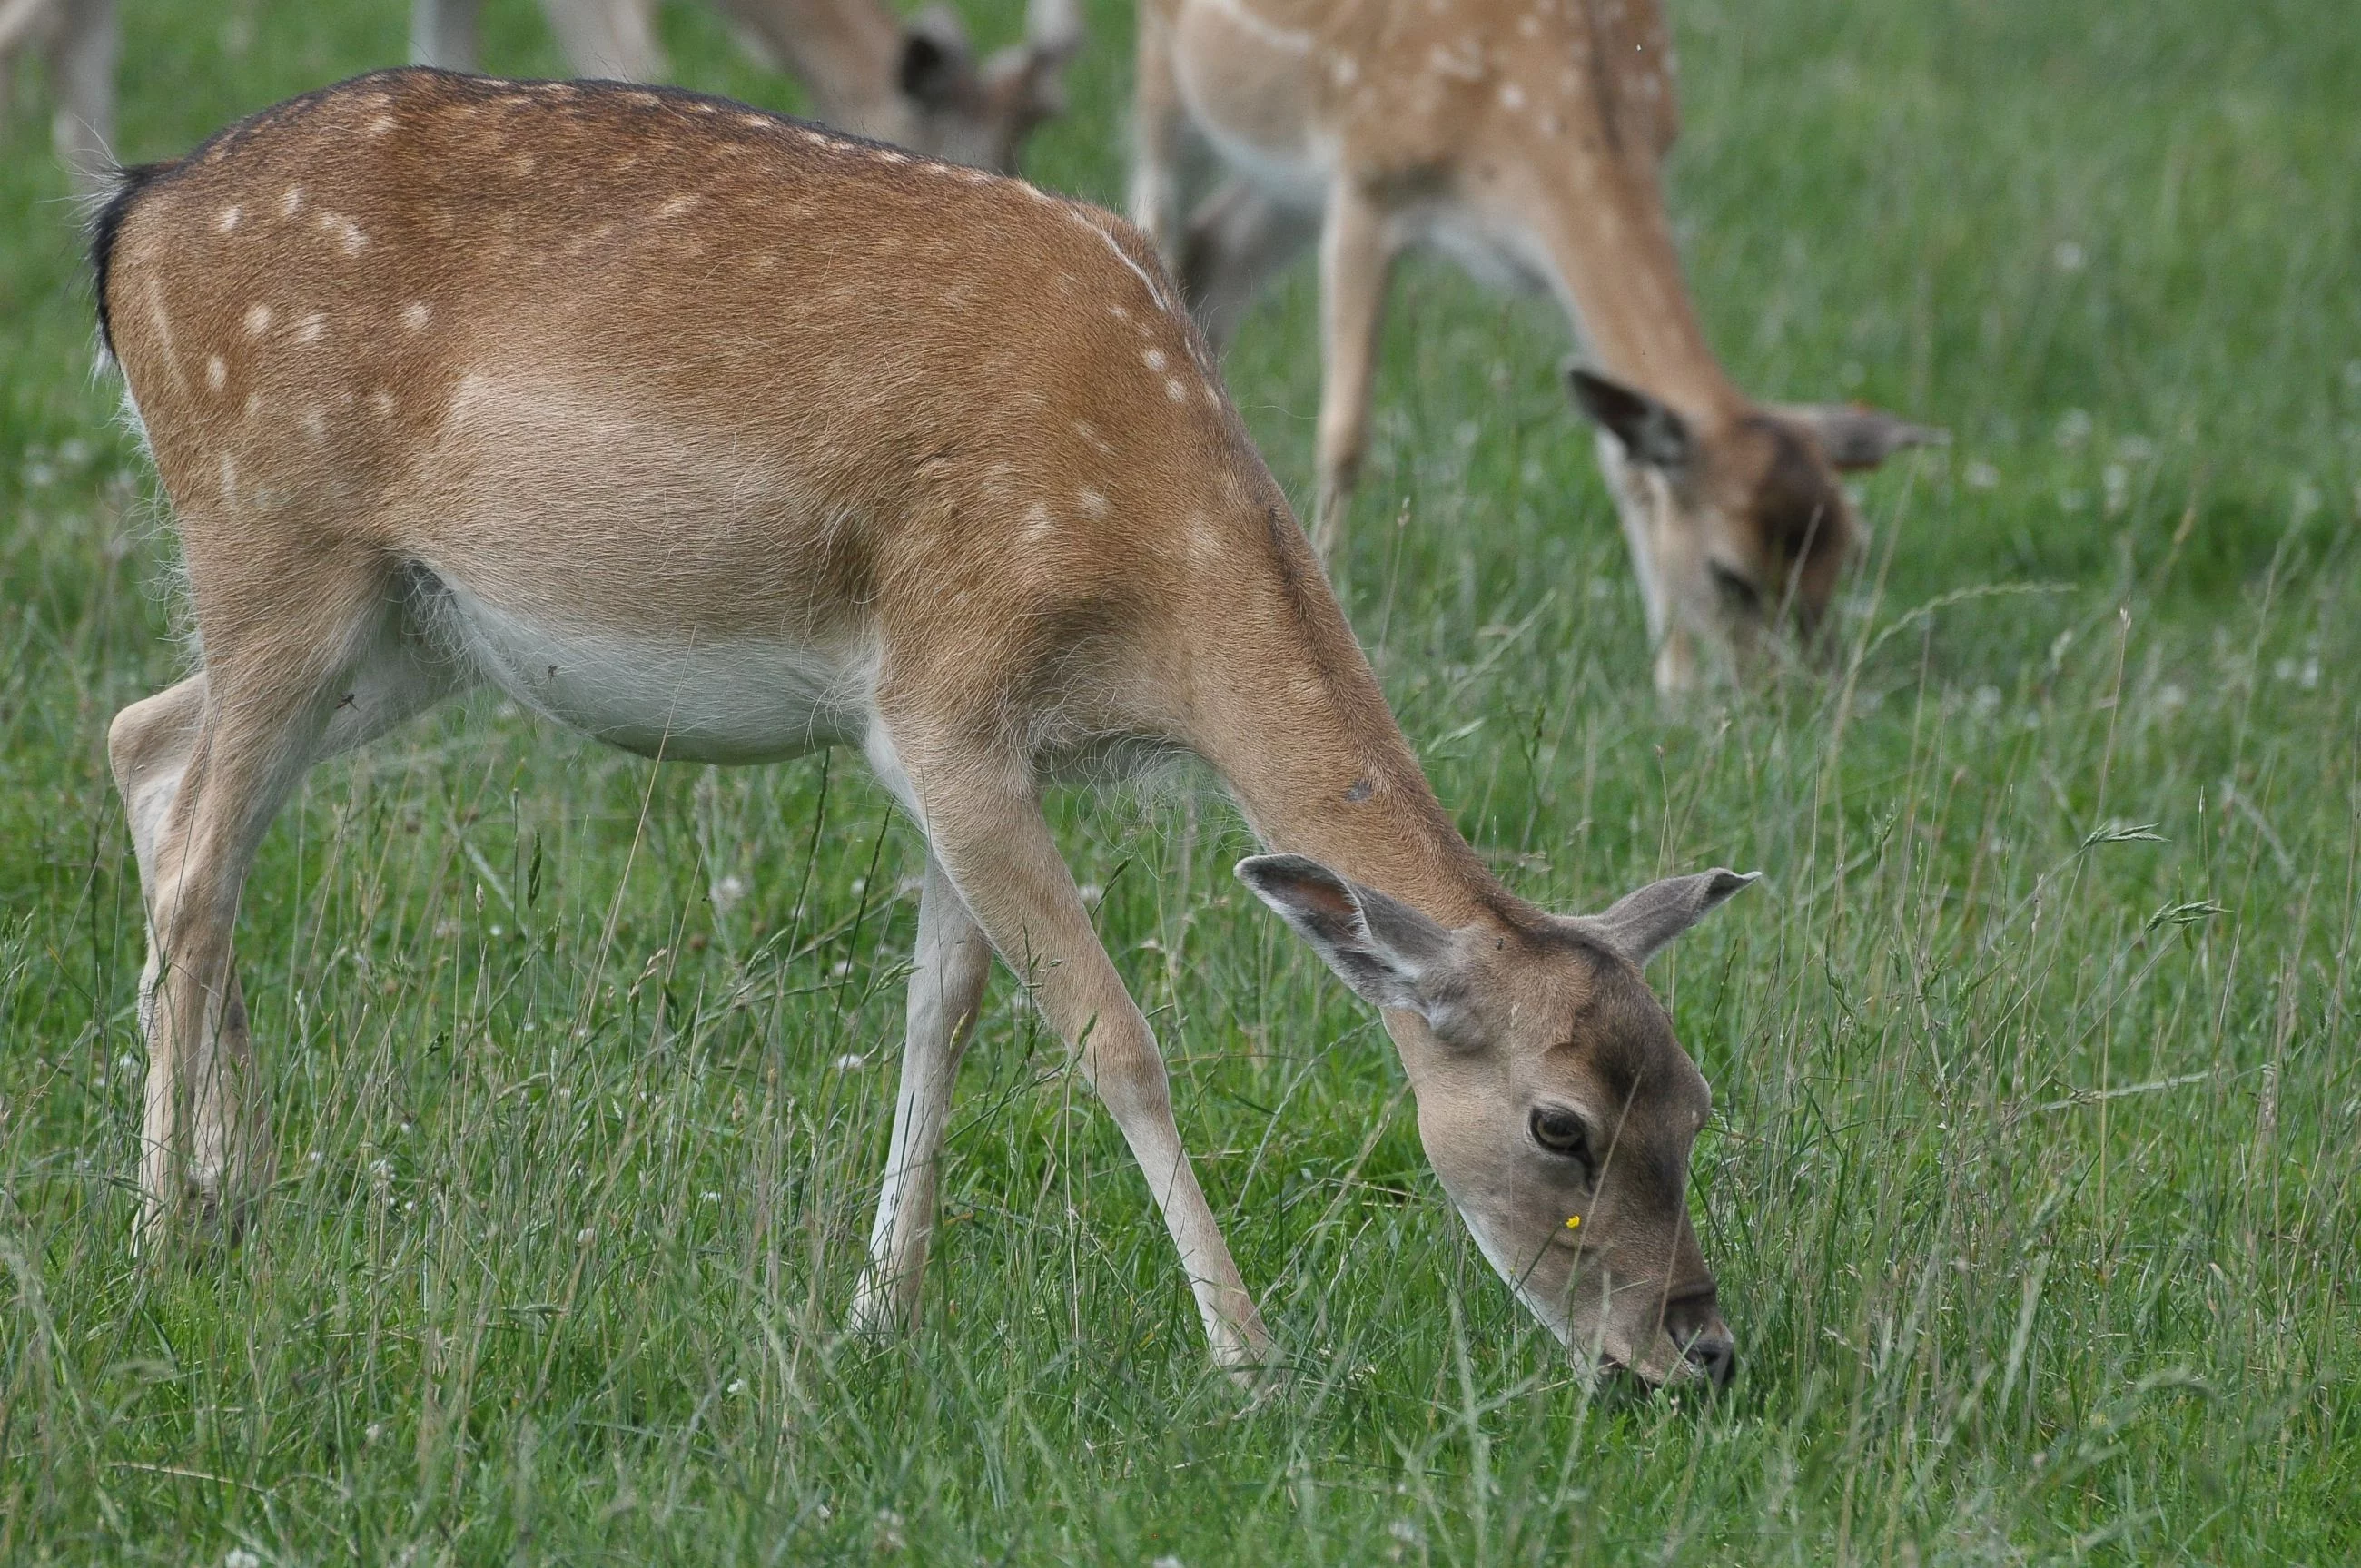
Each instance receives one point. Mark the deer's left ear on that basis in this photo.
(1855, 435)
(1641, 922)
(1390, 955)
(1649, 430)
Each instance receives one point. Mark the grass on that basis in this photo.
(2033, 1189)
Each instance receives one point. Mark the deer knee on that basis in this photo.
(1129, 1078)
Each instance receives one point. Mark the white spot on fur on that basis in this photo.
(676, 206)
(379, 126)
(1120, 312)
(1175, 389)
(1153, 359)
(1094, 504)
(754, 122)
(347, 233)
(253, 404)
(216, 372)
(228, 219)
(414, 315)
(312, 327)
(292, 201)
(382, 403)
(257, 320)
(1037, 520)
(315, 421)
(1513, 96)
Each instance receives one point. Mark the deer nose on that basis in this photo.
(1693, 1323)
(1716, 1355)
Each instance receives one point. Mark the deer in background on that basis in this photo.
(721, 437)
(917, 85)
(920, 86)
(1527, 141)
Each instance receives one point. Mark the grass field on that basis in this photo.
(2033, 1189)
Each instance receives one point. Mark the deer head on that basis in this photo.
(980, 113)
(1555, 1106)
(1738, 524)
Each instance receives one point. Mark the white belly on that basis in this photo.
(737, 700)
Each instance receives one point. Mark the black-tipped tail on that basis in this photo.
(128, 183)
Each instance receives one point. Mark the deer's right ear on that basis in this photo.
(1390, 954)
(1648, 431)
(935, 56)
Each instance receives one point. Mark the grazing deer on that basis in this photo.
(920, 86)
(1526, 140)
(721, 437)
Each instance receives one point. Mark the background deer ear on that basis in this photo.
(1643, 922)
(1388, 953)
(936, 55)
(1648, 431)
(1855, 435)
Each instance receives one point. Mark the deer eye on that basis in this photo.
(1561, 1132)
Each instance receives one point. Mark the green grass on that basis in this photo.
(2032, 1186)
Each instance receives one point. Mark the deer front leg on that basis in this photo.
(1356, 259)
(986, 829)
(953, 960)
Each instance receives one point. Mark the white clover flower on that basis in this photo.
(1982, 476)
(239, 1557)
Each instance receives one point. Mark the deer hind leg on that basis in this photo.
(984, 826)
(614, 39)
(1237, 237)
(203, 769)
(954, 960)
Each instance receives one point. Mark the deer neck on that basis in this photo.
(1291, 716)
(1598, 217)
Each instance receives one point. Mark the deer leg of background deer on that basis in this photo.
(953, 960)
(1158, 130)
(443, 33)
(1355, 260)
(81, 75)
(612, 39)
(987, 831)
(1237, 237)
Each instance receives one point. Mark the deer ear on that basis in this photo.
(935, 56)
(1648, 431)
(1855, 435)
(1388, 953)
(1641, 922)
